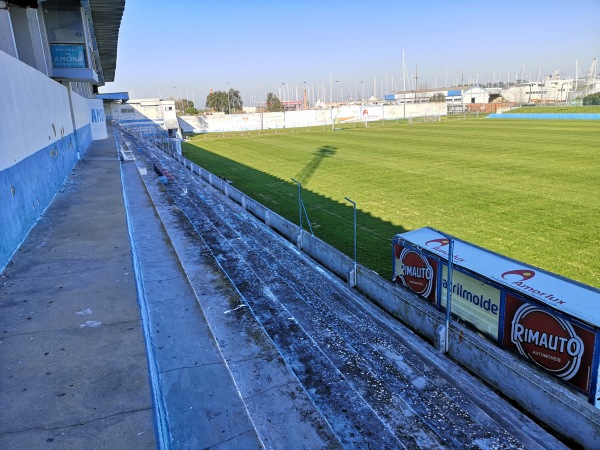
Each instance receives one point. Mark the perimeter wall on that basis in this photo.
(45, 128)
(308, 118)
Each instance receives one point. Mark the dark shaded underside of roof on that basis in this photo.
(107, 15)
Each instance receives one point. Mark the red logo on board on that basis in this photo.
(518, 275)
(415, 272)
(547, 340)
(437, 242)
(554, 343)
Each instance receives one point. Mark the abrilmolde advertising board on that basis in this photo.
(415, 271)
(550, 320)
(555, 343)
(473, 301)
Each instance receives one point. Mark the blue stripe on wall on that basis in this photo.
(27, 188)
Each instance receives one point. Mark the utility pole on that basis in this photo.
(416, 82)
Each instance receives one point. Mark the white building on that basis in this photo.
(552, 90)
(414, 96)
(53, 56)
(459, 97)
(142, 113)
(456, 97)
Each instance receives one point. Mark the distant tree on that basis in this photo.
(438, 97)
(592, 99)
(236, 101)
(190, 111)
(217, 101)
(273, 103)
(227, 102)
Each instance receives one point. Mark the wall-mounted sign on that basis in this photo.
(554, 343)
(68, 56)
(416, 272)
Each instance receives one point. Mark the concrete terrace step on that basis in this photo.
(197, 403)
(263, 382)
(372, 381)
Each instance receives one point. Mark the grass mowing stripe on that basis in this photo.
(526, 189)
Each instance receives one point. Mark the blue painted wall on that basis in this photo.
(27, 188)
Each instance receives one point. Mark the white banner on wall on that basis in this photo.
(273, 120)
(297, 119)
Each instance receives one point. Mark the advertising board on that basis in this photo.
(273, 120)
(552, 342)
(549, 320)
(68, 56)
(474, 301)
(568, 296)
(370, 113)
(415, 271)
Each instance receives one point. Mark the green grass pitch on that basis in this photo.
(529, 190)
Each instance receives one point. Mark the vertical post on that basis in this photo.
(299, 202)
(352, 278)
(449, 293)
(354, 206)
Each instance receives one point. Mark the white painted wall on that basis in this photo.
(34, 109)
(477, 93)
(297, 119)
(81, 110)
(97, 119)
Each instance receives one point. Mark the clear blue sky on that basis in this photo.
(190, 46)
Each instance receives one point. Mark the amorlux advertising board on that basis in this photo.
(551, 321)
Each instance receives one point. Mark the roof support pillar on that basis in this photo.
(7, 37)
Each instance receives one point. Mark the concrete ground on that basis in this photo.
(143, 315)
(72, 352)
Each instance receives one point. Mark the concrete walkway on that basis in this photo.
(72, 353)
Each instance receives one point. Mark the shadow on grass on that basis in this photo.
(331, 219)
(309, 169)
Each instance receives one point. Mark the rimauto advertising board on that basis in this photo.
(473, 300)
(415, 271)
(551, 321)
(551, 341)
